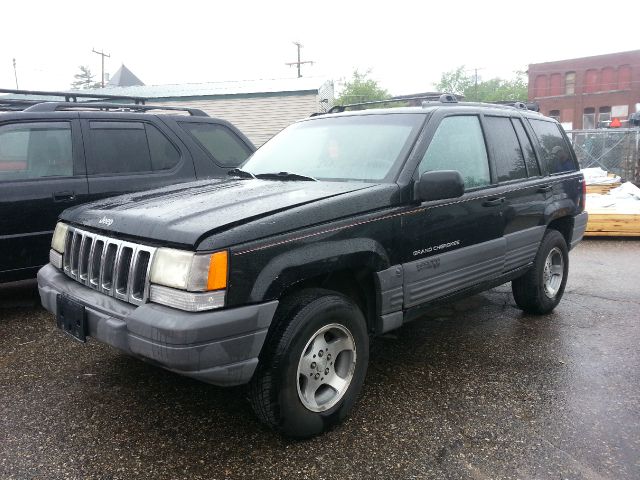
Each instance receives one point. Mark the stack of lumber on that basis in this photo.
(603, 188)
(615, 214)
(613, 225)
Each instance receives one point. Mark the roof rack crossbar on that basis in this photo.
(533, 106)
(61, 106)
(342, 108)
(73, 96)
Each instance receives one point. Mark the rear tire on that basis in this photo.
(541, 288)
(313, 364)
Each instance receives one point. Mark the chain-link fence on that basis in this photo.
(614, 150)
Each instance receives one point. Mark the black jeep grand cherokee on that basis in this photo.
(342, 226)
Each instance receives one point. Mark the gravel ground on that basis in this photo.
(477, 390)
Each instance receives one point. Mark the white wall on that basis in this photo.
(258, 117)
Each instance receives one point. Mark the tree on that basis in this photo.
(84, 79)
(360, 89)
(455, 81)
(460, 82)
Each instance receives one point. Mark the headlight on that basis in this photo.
(59, 237)
(188, 274)
(189, 271)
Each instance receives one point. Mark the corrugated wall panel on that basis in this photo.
(259, 118)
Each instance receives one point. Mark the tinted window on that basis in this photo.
(505, 149)
(128, 147)
(555, 151)
(458, 144)
(164, 155)
(525, 142)
(223, 145)
(33, 150)
(358, 147)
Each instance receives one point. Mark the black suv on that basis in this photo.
(54, 155)
(340, 227)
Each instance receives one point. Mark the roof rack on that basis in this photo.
(342, 108)
(121, 107)
(533, 106)
(69, 96)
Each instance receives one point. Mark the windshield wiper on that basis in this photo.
(238, 172)
(286, 176)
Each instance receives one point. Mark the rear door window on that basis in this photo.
(458, 144)
(221, 143)
(533, 168)
(35, 150)
(128, 147)
(554, 148)
(505, 149)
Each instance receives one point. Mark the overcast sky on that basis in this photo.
(407, 45)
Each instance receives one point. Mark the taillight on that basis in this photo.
(584, 193)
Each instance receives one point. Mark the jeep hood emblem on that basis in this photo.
(106, 221)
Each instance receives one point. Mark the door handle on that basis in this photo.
(65, 196)
(545, 188)
(493, 202)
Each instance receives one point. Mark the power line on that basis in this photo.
(299, 62)
(101, 53)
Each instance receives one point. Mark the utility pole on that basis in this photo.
(299, 62)
(476, 70)
(101, 53)
(15, 73)
(475, 82)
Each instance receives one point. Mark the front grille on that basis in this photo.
(114, 267)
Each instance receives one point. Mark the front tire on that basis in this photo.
(541, 288)
(313, 364)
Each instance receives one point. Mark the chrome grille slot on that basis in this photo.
(75, 253)
(108, 266)
(83, 261)
(117, 268)
(140, 272)
(123, 265)
(66, 259)
(96, 263)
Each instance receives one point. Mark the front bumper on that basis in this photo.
(219, 347)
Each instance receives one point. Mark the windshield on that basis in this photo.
(359, 147)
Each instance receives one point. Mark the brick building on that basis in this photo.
(588, 92)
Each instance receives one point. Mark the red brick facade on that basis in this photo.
(594, 89)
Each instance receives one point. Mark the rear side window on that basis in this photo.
(505, 149)
(458, 144)
(224, 146)
(529, 155)
(35, 150)
(555, 151)
(128, 147)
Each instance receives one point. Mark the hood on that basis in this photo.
(182, 214)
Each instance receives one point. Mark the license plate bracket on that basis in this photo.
(71, 317)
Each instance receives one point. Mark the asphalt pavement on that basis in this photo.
(475, 390)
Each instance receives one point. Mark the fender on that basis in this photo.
(309, 261)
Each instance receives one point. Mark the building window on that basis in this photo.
(604, 117)
(609, 80)
(570, 83)
(555, 114)
(540, 86)
(591, 81)
(624, 77)
(589, 118)
(555, 84)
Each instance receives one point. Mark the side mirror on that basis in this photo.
(439, 185)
